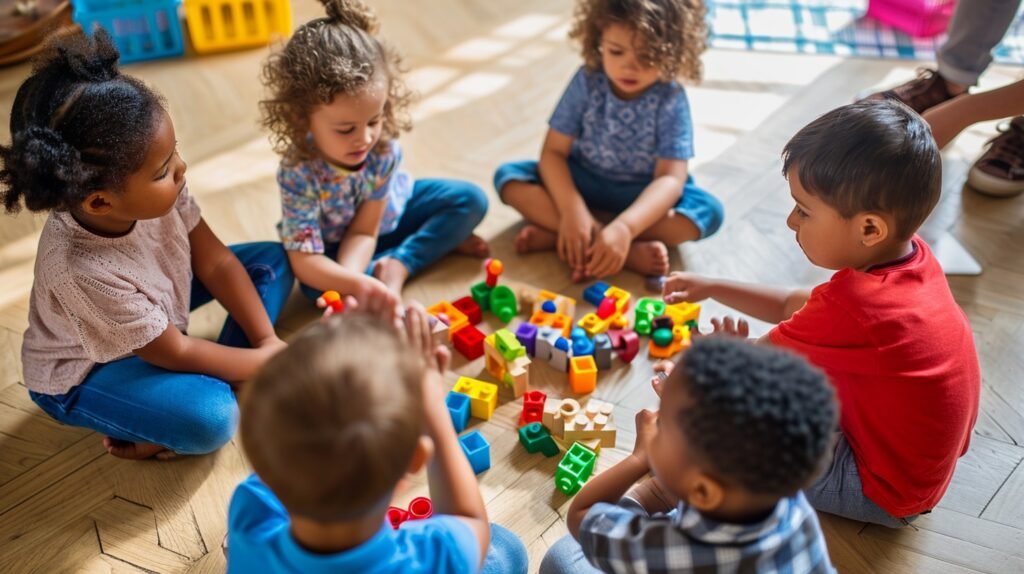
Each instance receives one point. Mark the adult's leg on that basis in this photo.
(566, 557)
(976, 28)
(133, 401)
(506, 554)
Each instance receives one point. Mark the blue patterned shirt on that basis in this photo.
(319, 199)
(624, 538)
(623, 139)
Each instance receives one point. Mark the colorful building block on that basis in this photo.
(503, 303)
(594, 325)
(533, 408)
(558, 321)
(219, 25)
(438, 331)
(629, 346)
(582, 374)
(458, 407)
(621, 297)
(419, 508)
(536, 438)
(470, 309)
(481, 293)
(527, 336)
(607, 308)
(469, 341)
(582, 346)
(141, 29)
(333, 300)
(575, 469)
(447, 312)
(562, 304)
(508, 345)
(546, 337)
(515, 371)
(494, 269)
(646, 310)
(396, 516)
(603, 351)
(483, 396)
(679, 339)
(556, 412)
(595, 293)
(560, 355)
(682, 312)
(477, 450)
(594, 422)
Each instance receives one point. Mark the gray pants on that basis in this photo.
(976, 28)
(840, 492)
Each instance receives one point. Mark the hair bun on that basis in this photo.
(43, 150)
(87, 59)
(351, 13)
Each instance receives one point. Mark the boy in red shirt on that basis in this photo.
(885, 328)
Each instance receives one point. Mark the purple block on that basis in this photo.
(527, 335)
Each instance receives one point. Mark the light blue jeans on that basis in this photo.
(189, 413)
(506, 555)
(440, 214)
(566, 557)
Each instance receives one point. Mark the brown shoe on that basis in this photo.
(1000, 170)
(927, 90)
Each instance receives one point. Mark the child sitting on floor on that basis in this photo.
(123, 257)
(612, 187)
(331, 426)
(885, 328)
(741, 429)
(336, 108)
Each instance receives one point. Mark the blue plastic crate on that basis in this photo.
(141, 29)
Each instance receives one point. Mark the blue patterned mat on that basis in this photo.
(830, 27)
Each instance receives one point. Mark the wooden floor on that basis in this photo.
(489, 74)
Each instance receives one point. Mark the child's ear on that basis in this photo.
(97, 203)
(706, 494)
(874, 229)
(421, 455)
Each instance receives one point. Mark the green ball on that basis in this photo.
(662, 337)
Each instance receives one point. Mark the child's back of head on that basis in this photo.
(331, 423)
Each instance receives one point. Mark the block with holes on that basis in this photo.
(483, 396)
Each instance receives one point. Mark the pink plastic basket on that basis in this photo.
(919, 18)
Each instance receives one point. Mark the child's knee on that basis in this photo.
(507, 553)
(563, 557)
(524, 172)
(214, 424)
(474, 201)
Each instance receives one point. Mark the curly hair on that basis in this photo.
(673, 33)
(328, 56)
(761, 417)
(77, 125)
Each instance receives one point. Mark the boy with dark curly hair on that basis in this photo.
(740, 431)
(612, 188)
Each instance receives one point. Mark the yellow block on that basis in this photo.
(483, 396)
(218, 25)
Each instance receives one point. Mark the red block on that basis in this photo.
(420, 508)
(396, 516)
(470, 309)
(533, 408)
(629, 346)
(606, 308)
(469, 341)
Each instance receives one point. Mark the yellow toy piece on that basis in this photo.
(595, 325)
(219, 25)
(582, 374)
(680, 341)
(683, 312)
(564, 305)
(621, 297)
(556, 321)
(483, 396)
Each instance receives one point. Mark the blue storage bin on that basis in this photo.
(141, 29)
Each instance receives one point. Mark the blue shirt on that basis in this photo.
(624, 538)
(260, 540)
(623, 139)
(319, 199)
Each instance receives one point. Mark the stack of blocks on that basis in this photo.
(668, 325)
(543, 420)
(507, 361)
(470, 397)
(569, 422)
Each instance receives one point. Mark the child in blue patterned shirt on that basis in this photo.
(612, 189)
(337, 105)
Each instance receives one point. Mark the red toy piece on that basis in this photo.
(628, 346)
(469, 307)
(420, 508)
(469, 341)
(396, 516)
(333, 300)
(494, 268)
(533, 408)
(606, 308)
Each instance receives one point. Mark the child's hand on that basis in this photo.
(575, 233)
(373, 296)
(269, 347)
(682, 286)
(732, 327)
(608, 253)
(662, 369)
(419, 337)
(646, 425)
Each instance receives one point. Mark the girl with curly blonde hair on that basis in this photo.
(612, 188)
(352, 219)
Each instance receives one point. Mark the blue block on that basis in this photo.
(141, 29)
(548, 306)
(577, 332)
(458, 407)
(562, 344)
(527, 335)
(582, 346)
(477, 450)
(595, 293)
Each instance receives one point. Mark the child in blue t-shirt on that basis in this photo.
(612, 187)
(331, 434)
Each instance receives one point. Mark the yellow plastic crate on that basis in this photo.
(218, 25)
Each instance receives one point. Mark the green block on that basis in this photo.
(642, 324)
(662, 337)
(536, 438)
(508, 380)
(575, 469)
(481, 293)
(692, 325)
(507, 344)
(503, 303)
(651, 306)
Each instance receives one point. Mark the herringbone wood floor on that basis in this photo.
(488, 74)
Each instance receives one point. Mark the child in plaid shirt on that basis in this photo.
(741, 429)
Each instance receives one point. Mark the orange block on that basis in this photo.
(582, 374)
(456, 319)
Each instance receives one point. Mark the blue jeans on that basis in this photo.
(506, 554)
(189, 413)
(440, 214)
(603, 194)
(566, 557)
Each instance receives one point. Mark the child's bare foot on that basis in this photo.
(532, 238)
(136, 450)
(391, 272)
(474, 246)
(647, 258)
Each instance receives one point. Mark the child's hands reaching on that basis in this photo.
(418, 335)
(575, 233)
(646, 425)
(729, 326)
(683, 286)
(374, 297)
(608, 253)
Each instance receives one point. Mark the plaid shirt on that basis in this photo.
(624, 538)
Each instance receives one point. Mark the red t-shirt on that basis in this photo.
(901, 356)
